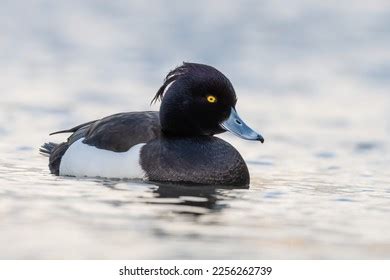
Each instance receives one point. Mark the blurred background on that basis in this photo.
(312, 76)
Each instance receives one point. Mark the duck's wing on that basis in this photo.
(122, 131)
(117, 132)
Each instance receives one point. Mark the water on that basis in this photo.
(313, 78)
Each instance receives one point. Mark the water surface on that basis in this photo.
(313, 78)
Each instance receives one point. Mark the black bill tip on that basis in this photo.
(260, 138)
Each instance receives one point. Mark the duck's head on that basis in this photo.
(197, 100)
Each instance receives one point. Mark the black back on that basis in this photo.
(122, 131)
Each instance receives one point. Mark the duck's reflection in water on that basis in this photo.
(196, 200)
(181, 199)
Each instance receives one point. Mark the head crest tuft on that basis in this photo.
(172, 76)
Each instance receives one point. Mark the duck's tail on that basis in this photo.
(47, 148)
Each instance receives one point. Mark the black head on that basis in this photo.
(197, 100)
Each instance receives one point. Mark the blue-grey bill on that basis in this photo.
(236, 125)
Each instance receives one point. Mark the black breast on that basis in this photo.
(196, 160)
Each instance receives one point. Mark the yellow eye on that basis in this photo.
(211, 99)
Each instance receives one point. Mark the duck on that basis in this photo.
(175, 145)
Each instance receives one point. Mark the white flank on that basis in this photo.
(83, 160)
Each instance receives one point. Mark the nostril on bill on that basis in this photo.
(238, 122)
